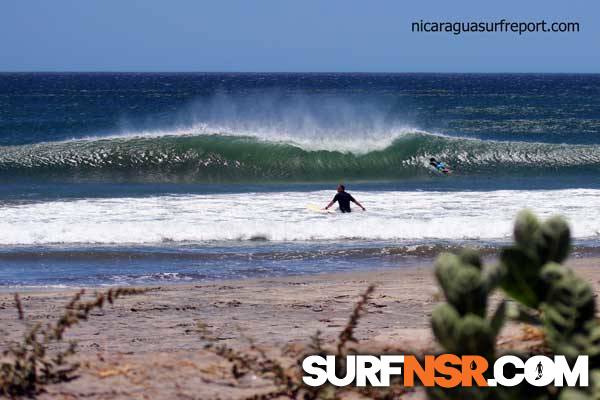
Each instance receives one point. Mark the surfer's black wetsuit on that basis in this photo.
(344, 200)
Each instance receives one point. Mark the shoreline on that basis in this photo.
(408, 257)
(154, 342)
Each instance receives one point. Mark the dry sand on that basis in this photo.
(151, 346)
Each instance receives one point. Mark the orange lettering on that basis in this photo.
(473, 367)
(453, 375)
(411, 367)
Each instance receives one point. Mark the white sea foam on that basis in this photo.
(391, 215)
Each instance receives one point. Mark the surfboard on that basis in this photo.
(440, 173)
(317, 209)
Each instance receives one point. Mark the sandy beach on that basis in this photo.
(152, 345)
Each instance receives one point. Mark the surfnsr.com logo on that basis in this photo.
(446, 370)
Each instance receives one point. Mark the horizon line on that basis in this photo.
(292, 72)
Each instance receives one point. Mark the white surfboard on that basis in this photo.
(317, 209)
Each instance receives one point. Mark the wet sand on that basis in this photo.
(152, 345)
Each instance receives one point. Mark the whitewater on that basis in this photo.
(283, 217)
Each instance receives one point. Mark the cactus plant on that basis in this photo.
(460, 325)
(530, 273)
(536, 244)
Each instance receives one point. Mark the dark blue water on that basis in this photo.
(557, 108)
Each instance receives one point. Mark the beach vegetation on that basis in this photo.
(42, 357)
(539, 290)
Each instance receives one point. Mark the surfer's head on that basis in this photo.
(432, 159)
(341, 188)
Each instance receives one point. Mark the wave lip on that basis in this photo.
(357, 140)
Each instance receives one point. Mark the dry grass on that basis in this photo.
(286, 380)
(28, 365)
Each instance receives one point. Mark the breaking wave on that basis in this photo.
(204, 156)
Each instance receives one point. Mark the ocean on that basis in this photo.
(144, 178)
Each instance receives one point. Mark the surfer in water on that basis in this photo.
(344, 198)
(439, 166)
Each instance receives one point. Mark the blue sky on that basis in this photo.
(286, 35)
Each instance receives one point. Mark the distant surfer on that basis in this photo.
(344, 198)
(439, 166)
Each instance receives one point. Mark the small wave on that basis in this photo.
(204, 255)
